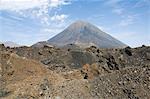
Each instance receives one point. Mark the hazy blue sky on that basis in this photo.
(29, 21)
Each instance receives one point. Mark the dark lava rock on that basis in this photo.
(2, 47)
(91, 73)
(128, 51)
(81, 58)
(130, 94)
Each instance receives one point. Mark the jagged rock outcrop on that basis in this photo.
(59, 73)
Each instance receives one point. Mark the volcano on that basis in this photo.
(85, 34)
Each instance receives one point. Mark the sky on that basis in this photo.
(29, 21)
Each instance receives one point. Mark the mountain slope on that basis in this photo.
(85, 34)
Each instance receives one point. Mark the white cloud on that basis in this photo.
(118, 11)
(56, 3)
(113, 2)
(115, 5)
(20, 4)
(16, 5)
(141, 3)
(61, 17)
(36, 9)
(128, 20)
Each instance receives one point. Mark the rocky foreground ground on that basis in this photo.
(74, 73)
